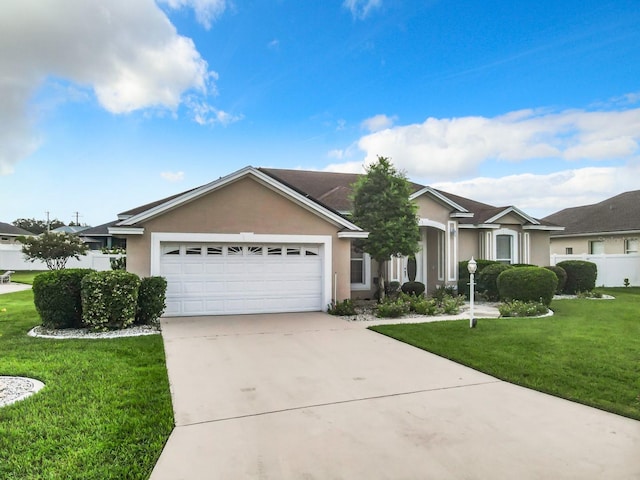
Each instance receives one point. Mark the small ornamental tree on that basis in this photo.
(381, 206)
(55, 249)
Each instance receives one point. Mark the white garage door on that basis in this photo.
(223, 279)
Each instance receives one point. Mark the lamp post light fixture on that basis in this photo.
(472, 266)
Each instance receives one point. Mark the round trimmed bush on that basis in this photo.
(151, 299)
(562, 277)
(528, 284)
(109, 299)
(413, 288)
(487, 280)
(56, 295)
(581, 276)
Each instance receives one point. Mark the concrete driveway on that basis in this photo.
(310, 396)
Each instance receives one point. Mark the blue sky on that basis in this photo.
(108, 105)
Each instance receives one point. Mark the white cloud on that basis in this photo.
(378, 122)
(206, 114)
(541, 195)
(273, 44)
(360, 9)
(173, 176)
(442, 149)
(128, 53)
(207, 11)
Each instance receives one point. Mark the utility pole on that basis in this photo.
(48, 225)
(77, 214)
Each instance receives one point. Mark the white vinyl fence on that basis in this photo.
(11, 258)
(612, 268)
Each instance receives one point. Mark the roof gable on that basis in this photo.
(12, 230)
(155, 209)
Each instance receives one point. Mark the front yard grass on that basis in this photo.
(588, 352)
(25, 276)
(105, 411)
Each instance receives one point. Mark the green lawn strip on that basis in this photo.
(588, 352)
(25, 276)
(105, 411)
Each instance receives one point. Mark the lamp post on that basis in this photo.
(471, 266)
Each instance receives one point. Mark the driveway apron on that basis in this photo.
(310, 396)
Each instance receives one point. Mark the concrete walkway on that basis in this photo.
(310, 396)
(13, 287)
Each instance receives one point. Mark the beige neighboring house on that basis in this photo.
(609, 227)
(9, 233)
(269, 240)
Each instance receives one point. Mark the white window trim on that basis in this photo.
(627, 250)
(325, 242)
(366, 266)
(514, 243)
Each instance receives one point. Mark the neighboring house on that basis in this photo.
(70, 229)
(270, 240)
(609, 227)
(9, 233)
(99, 237)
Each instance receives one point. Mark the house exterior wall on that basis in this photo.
(539, 247)
(613, 243)
(468, 244)
(243, 206)
(431, 209)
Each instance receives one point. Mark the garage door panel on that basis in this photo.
(246, 280)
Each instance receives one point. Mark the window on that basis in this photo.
(234, 250)
(311, 251)
(504, 248)
(596, 247)
(193, 251)
(170, 250)
(360, 270)
(293, 251)
(214, 250)
(631, 245)
(274, 251)
(568, 251)
(251, 250)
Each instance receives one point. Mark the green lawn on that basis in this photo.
(588, 352)
(25, 276)
(105, 412)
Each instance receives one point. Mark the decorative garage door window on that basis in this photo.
(242, 250)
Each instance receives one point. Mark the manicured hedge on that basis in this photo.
(56, 295)
(109, 299)
(151, 300)
(487, 280)
(463, 274)
(529, 284)
(413, 288)
(562, 277)
(581, 276)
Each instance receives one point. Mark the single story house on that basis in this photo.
(9, 233)
(608, 227)
(272, 240)
(99, 237)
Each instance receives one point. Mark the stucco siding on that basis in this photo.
(539, 249)
(431, 209)
(243, 206)
(613, 244)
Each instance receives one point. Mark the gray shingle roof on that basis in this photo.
(9, 229)
(616, 214)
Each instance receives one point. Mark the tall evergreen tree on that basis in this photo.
(381, 206)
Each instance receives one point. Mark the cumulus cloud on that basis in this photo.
(442, 149)
(541, 195)
(128, 53)
(360, 9)
(378, 122)
(173, 176)
(207, 11)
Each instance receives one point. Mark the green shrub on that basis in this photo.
(109, 299)
(529, 284)
(487, 280)
(118, 263)
(589, 294)
(392, 308)
(56, 295)
(442, 291)
(425, 306)
(463, 274)
(517, 308)
(413, 288)
(151, 299)
(581, 276)
(562, 277)
(343, 308)
(392, 289)
(523, 265)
